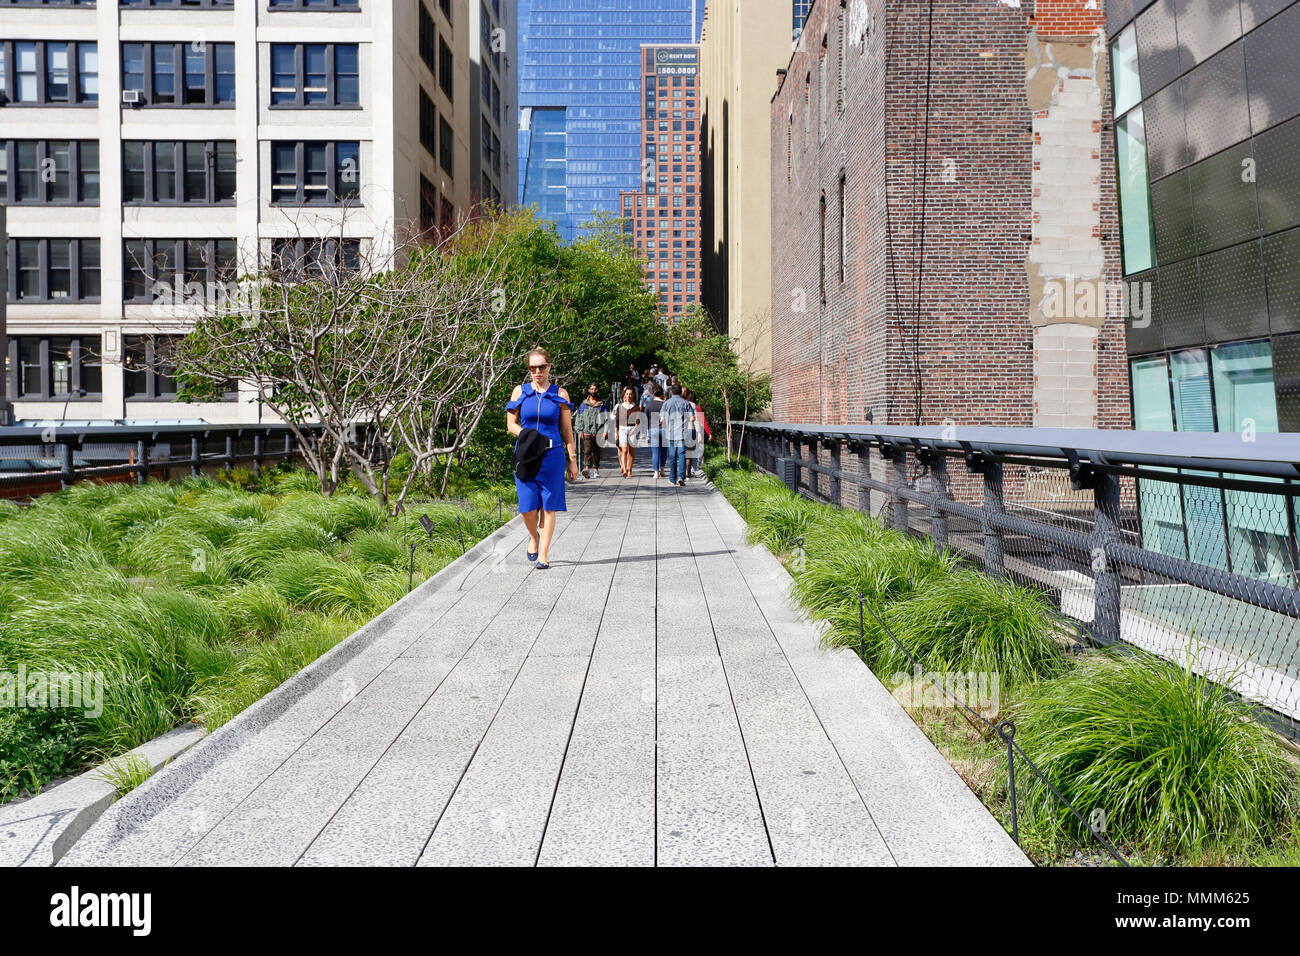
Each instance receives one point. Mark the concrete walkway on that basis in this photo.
(651, 699)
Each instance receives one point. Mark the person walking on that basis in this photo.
(626, 416)
(651, 409)
(540, 417)
(677, 418)
(591, 420)
(703, 433)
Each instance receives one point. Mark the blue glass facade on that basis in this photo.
(580, 89)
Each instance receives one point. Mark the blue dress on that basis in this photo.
(541, 411)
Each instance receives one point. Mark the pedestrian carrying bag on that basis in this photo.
(530, 449)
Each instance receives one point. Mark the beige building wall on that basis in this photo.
(743, 44)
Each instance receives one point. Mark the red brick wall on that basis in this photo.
(1067, 18)
(834, 361)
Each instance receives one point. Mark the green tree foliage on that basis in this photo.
(724, 382)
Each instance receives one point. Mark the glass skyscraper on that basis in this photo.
(580, 99)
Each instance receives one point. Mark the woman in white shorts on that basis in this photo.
(627, 415)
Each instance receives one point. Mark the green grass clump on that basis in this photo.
(779, 520)
(126, 773)
(1175, 761)
(886, 571)
(379, 547)
(190, 599)
(965, 621)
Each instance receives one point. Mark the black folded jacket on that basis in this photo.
(530, 448)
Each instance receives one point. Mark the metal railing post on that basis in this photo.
(195, 458)
(939, 489)
(257, 453)
(864, 471)
(994, 554)
(142, 462)
(230, 453)
(898, 456)
(836, 490)
(67, 470)
(1106, 591)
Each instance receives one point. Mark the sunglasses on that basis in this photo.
(538, 368)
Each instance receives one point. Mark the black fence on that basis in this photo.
(36, 460)
(1184, 545)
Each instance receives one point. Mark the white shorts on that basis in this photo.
(626, 436)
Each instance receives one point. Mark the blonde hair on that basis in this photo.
(538, 351)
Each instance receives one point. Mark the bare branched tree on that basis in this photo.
(364, 354)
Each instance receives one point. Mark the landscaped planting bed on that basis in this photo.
(1172, 766)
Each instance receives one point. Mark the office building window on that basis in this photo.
(315, 258)
(48, 73)
(428, 40)
(326, 174)
(149, 366)
(172, 271)
(428, 124)
(315, 4)
(445, 145)
(1134, 193)
(178, 173)
(314, 75)
(428, 206)
(177, 3)
(53, 270)
(445, 67)
(48, 171)
(61, 366)
(179, 74)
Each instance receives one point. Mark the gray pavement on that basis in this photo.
(653, 698)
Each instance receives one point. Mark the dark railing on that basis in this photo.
(1181, 544)
(35, 460)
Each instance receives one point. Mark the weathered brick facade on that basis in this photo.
(1018, 192)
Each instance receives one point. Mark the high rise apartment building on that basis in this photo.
(662, 218)
(580, 100)
(151, 150)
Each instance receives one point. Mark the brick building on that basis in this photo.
(663, 217)
(988, 190)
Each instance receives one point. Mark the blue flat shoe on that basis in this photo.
(532, 555)
(543, 567)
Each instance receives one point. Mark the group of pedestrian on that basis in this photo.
(653, 407)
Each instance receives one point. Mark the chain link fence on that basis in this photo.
(1190, 555)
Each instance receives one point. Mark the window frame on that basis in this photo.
(300, 78)
(180, 265)
(9, 157)
(181, 192)
(77, 95)
(179, 74)
(43, 297)
(315, 6)
(332, 170)
(47, 393)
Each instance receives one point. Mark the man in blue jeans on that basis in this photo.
(651, 408)
(677, 416)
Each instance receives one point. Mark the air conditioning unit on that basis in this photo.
(131, 97)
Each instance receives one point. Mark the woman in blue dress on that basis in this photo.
(542, 405)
